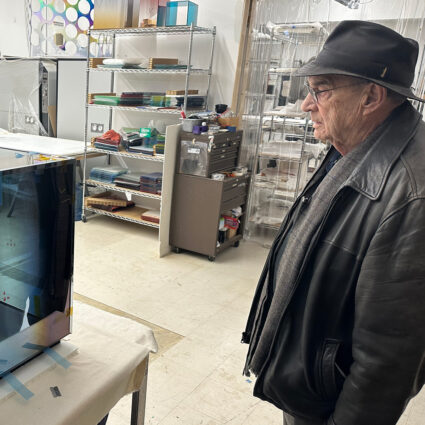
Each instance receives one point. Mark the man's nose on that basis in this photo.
(309, 104)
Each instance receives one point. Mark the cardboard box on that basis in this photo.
(230, 121)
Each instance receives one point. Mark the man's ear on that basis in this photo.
(373, 98)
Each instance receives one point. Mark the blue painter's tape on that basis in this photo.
(18, 386)
(31, 346)
(58, 358)
(52, 353)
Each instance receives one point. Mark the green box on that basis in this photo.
(148, 132)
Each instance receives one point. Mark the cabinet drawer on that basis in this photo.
(233, 182)
(223, 156)
(222, 164)
(234, 192)
(219, 145)
(231, 143)
(233, 203)
(229, 151)
(218, 138)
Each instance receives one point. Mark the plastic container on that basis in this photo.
(157, 100)
(181, 13)
(188, 123)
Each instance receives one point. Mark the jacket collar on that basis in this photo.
(372, 172)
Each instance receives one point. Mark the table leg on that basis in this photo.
(138, 404)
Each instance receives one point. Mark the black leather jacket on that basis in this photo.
(350, 347)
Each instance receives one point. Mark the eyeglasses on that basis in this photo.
(314, 93)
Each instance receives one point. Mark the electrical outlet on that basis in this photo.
(96, 127)
(29, 119)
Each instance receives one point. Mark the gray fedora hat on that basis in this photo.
(370, 51)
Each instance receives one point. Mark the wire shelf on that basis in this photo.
(123, 190)
(154, 30)
(146, 109)
(155, 158)
(123, 215)
(151, 71)
(282, 71)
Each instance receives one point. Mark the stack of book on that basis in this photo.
(128, 181)
(151, 215)
(142, 149)
(106, 174)
(193, 101)
(106, 144)
(141, 99)
(151, 183)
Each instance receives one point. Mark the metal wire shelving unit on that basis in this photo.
(166, 161)
(276, 142)
(146, 109)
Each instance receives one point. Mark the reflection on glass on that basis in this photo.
(36, 258)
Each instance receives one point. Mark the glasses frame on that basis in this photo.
(314, 93)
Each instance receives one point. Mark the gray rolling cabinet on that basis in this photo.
(199, 201)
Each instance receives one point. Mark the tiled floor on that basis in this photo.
(198, 310)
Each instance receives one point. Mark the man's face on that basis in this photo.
(336, 115)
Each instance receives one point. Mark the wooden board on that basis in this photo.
(162, 61)
(180, 92)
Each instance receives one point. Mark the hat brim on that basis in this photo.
(312, 69)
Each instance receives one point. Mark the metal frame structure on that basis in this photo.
(113, 34)
(261, 66)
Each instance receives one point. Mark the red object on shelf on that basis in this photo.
(111, 135)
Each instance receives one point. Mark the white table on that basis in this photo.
(111, 361)
(41, 144)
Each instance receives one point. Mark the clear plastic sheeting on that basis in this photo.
(279, 147)
(277, 132)
(20, 82)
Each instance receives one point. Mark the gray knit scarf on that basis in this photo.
(298, 242)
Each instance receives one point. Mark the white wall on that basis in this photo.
(226, 15)
(13, 39)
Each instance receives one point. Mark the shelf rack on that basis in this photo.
(126, 215)
(167, 160)
(122, 189)
(124, 154)
(175, 30)
(267, 131)
(145, 109)
(151, 71)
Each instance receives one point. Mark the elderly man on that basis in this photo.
(337, 325)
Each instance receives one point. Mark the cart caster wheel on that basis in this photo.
(236, 244)
(211, 258)
(84, 219)
(177, 250)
